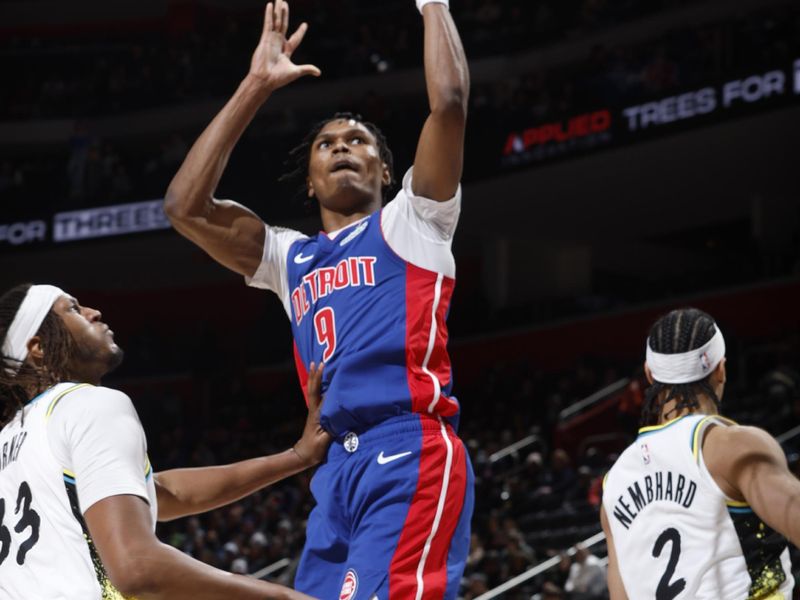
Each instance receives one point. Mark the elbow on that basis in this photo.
(133, 578)
(451, 103)
(174, 206)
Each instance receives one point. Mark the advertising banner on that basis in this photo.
(109, 221)
(607, 127)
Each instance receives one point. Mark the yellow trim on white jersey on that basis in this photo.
(59, 396)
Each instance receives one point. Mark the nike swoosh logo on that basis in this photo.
(300, 259)
(382, 460)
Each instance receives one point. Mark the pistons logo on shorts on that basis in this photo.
(349, 586)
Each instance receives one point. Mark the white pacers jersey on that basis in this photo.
(70, 447)
(677, 536)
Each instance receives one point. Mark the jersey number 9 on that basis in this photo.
(325, 329)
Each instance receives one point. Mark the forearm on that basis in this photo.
(168, 573)
(183, 492)
(140, 566)
(192, 188)
(446, 70)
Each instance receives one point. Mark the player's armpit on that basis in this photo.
(616, 589)
(140, 566)
(439, 159)
(750, 465)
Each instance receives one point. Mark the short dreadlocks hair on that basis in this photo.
(20, 382)
(300, 155)
(679, 331)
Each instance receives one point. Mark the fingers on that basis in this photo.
(293, 42)
(269, 20)
(281, 16)
(278, 15)
(314, 385)
(284, 17)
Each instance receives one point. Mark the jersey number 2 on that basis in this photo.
(28, 518)
(665, 589)
(325, 328)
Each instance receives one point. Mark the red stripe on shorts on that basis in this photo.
(420, 521)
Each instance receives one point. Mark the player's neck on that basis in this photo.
(85, 373)
(334, 221)
(705, 407)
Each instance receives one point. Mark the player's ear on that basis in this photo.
(720, 373)
(386, 176)
(648, 373)
(309, 187)
(35, 350)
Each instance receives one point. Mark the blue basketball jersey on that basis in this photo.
(378, 324)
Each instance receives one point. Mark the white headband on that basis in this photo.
(34, 308)
(687, 367)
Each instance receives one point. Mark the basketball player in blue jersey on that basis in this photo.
(697, 507)
(368, 297)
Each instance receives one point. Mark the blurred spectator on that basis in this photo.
(587, 576)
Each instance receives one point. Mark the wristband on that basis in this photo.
(422, 3)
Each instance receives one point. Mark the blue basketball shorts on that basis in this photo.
(393, 514)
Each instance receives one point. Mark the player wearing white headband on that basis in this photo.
(78, 498)
(697, 507)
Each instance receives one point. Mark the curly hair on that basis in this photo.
(679, 331)
(19, 382)
(300, 156)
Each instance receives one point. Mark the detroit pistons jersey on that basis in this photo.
(370, 301)
(68, 448)
(676, 534)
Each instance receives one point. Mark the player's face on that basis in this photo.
(345, 171)
(96, 353)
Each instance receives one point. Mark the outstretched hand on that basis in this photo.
(272, 60)
(311, 448)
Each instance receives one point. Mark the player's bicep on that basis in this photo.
(121, 529)
(616, 589)
(230, 233)
(758, 469)
(439, 160)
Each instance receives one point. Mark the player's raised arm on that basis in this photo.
(750, 465)
(229, 232)
(183, 492)
(440, 152)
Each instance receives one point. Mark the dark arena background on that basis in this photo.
(623, 158)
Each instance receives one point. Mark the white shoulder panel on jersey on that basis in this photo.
(96, 434)
(420, 230)
(271, 273)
